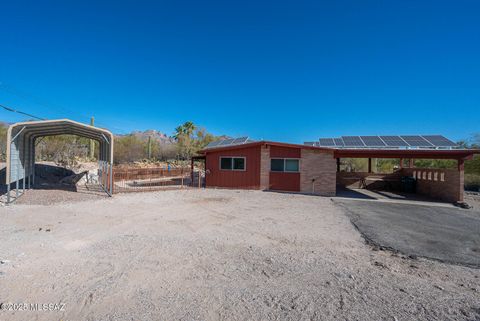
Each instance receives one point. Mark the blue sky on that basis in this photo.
(287, 71)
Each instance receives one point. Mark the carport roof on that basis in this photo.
(407, 153)
(60, 127)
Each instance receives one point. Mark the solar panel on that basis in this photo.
(229, 142)
(353, 141)
(416, 141)
(226, 142)
(339, 142)
(439, 141)
(372, 141)
(213, 144)
(394, 141)
(405, 141)
(326, 142)
(240, 140)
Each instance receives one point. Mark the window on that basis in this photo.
(239, 164)
(291, 165)
(284, 165)
(232, 163)
(225, 163)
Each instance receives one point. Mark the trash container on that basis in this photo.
(409, 184)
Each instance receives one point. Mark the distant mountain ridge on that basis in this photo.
(154, 134)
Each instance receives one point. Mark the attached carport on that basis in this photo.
(21, 141)
(442, 184)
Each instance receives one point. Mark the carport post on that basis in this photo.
(369, 165)
(411, 163)
(8, 193)
(111, 178)
(338, 164)
(24, 163)
(461, 168)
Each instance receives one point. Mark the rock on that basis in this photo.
(462, 205)
(438, 287)
(412, 257)
(380, 264)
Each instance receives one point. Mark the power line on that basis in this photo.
(20, 112)
(42, 102)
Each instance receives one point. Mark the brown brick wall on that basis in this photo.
(265, 168)
(321, 167)
(442, 184)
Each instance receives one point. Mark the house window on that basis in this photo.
(284, 165)
(232, 163)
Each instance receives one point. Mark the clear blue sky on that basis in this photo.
(288, 71)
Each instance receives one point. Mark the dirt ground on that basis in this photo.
(216, 255)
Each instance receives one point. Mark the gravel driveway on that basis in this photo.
(216, 255)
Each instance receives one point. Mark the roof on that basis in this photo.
(260, 143)
(60, 127)
(362, 153)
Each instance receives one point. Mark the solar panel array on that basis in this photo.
(405, 141)
(229, 142)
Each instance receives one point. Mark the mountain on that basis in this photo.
(154, 134)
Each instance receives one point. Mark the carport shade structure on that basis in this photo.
(21, 141)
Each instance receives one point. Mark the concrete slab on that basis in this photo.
(437, 232)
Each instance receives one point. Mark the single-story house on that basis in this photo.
(315, 169)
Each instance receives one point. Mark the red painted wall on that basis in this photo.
(285, 152)
(285, 181)
(248, 179)
(282, 181)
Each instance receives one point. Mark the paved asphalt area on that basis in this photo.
(442, 233)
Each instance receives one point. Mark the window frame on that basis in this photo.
(285, 164)
(232, 169)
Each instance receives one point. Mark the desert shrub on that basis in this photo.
(128, 148)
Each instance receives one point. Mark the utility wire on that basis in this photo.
(20, 112)
(39, 101)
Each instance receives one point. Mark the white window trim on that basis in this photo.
(285, 165)
(232, 157)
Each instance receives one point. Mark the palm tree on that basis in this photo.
(186, 129)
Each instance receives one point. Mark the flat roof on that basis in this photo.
(363, 153)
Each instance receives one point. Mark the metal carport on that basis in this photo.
(21, 140)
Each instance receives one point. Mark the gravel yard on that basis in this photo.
(216, 255)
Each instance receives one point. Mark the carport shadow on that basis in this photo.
(350, 193)
(55, 178)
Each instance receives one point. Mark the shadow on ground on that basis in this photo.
(53, 184)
